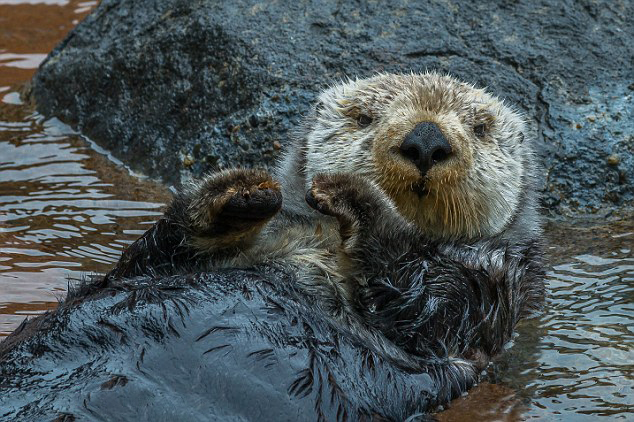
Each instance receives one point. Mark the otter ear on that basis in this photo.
(520, 138)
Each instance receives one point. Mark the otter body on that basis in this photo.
(406, 209)
(372, 277)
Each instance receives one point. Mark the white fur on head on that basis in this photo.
(476, 192)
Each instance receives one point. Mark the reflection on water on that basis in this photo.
(67, 210)
(585, 359)
(588, 349)
(61, 214)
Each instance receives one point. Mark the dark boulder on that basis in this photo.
(175, 88)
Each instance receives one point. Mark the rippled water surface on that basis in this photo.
(62, 214)
(585, 356)
(576, 360)
(66, 210)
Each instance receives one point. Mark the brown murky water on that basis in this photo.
(66, 209)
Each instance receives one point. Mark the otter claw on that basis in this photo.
(256, 205)
(318, 202)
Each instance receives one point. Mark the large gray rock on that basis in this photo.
(175, 88)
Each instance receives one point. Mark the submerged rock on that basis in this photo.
(175, 88)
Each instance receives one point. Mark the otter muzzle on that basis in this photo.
(425, 146)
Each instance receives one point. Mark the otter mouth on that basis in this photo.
(420, 189)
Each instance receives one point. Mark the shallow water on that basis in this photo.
(584, 361)
(66, 209)
(575, 361)
(62, 214)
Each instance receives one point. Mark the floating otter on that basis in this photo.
(402, 235)
(427, 178)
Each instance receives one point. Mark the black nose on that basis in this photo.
(425, 146)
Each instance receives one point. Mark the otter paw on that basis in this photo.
(328, 194)
(352, 200)
(235, 199)
(257, 202)
(359, 205)
(344, 194)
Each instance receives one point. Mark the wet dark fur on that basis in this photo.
(386, 325)
(253, 331)
(427, 297)
(204, 347)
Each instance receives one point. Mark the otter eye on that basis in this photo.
(480, 130)
(364, 120)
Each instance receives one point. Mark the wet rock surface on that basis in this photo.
(176, 88)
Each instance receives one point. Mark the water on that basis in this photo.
(63, 212)
(585, 355)
(575, 361)
(66, 210)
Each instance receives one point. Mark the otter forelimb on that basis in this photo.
(219, 215)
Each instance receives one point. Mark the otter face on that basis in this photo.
(451, 157)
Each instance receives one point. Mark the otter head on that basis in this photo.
(452, 157)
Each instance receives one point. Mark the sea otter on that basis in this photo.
(371, 277)
(401, 192)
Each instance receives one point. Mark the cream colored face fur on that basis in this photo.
(475, 192)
